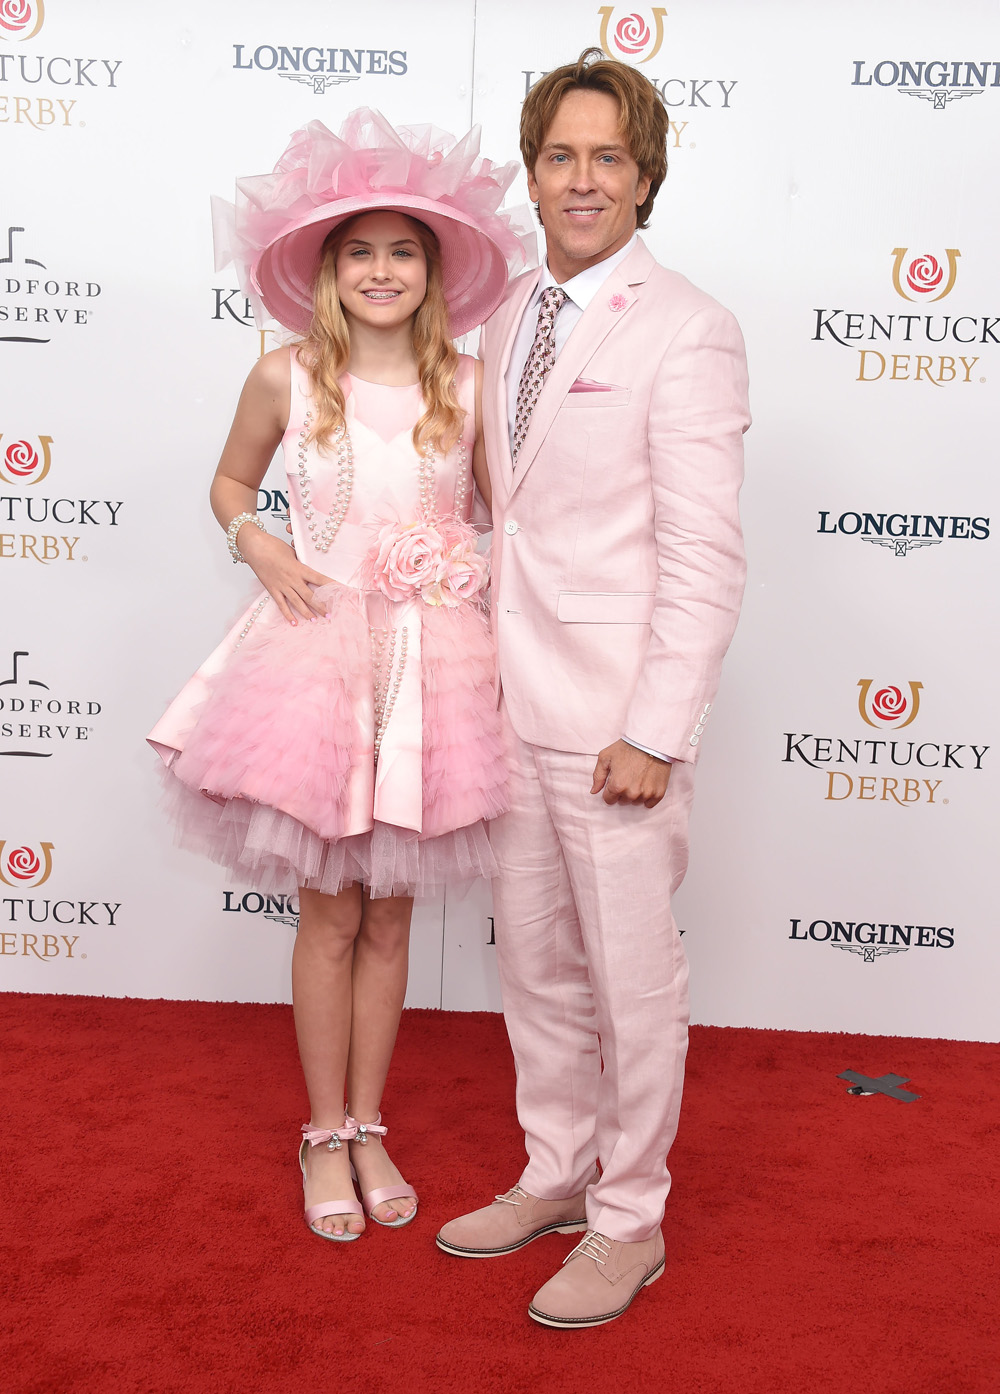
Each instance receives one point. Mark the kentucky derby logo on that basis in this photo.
(632, 37)
(24, 868)
(888, 707)
(885, 766)
(24, 463)
(21, 19)
(923, 278)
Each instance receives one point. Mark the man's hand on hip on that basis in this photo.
(628, 775)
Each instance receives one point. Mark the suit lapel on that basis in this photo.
(506, 333)
(608, 310)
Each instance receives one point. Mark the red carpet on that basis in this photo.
(153, 1239)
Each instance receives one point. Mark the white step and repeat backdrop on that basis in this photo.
(832, 179)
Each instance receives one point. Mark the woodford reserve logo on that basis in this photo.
(906, 772)
(35, 303)
(35, 87)
(50, 524)
(27, 867)
(937, 349)
(36, 720)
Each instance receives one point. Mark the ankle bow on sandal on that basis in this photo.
(334, 1139)
(398, 1191)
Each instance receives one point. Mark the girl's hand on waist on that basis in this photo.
(287, 581)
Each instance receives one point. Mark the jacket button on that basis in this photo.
(699, 729)
(694, 740)
(510, 527)
(707, 709)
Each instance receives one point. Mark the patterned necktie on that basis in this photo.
(539, 363)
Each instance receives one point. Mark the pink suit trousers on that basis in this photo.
(591, 967)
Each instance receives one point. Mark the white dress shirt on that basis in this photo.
(581, 290)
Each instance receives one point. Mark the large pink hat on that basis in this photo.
(275, 231)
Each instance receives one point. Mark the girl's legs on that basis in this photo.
(381, 960)
(322, 963)
(349, 971)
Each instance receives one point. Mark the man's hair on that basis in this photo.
(643, 115)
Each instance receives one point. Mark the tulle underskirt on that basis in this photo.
(275, 853)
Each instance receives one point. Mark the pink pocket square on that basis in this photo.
(586, 385)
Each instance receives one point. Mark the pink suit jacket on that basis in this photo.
(617, 551)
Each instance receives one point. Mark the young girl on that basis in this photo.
(344, 738)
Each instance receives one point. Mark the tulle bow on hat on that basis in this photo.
(275, 230)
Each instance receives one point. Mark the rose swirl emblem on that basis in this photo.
(632, 34)
(924, 274)
(21, 463)
(24, 867)
(888, 704)
(20, 458)
(21, 18)
(23, 863)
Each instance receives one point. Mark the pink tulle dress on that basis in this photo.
(366, 746)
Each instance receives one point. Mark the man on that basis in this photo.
(614, 406)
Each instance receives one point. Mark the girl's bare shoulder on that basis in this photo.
(272, 370)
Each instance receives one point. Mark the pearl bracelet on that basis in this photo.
(232, 532)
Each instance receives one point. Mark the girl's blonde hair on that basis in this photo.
(326, 349)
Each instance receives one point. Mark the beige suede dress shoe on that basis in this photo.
(513, 1220)
(597, 1281)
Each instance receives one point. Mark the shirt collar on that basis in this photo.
(582, 288)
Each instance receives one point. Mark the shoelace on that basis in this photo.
(514, 1196)
(592, 1245)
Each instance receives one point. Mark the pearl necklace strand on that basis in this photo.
(345, 486)
(322, 536)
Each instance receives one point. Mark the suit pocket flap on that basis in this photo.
(616, 397)
(605, 607)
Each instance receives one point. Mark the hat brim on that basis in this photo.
(474, 269)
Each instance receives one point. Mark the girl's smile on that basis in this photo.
(381, 271)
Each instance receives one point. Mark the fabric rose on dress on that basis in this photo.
(437, 561)
(405, 557)
(461, 576)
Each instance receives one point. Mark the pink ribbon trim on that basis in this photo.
(361, 1128)
(347, 1132)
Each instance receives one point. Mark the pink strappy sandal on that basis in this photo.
(399, 1191)
(334, 1139)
